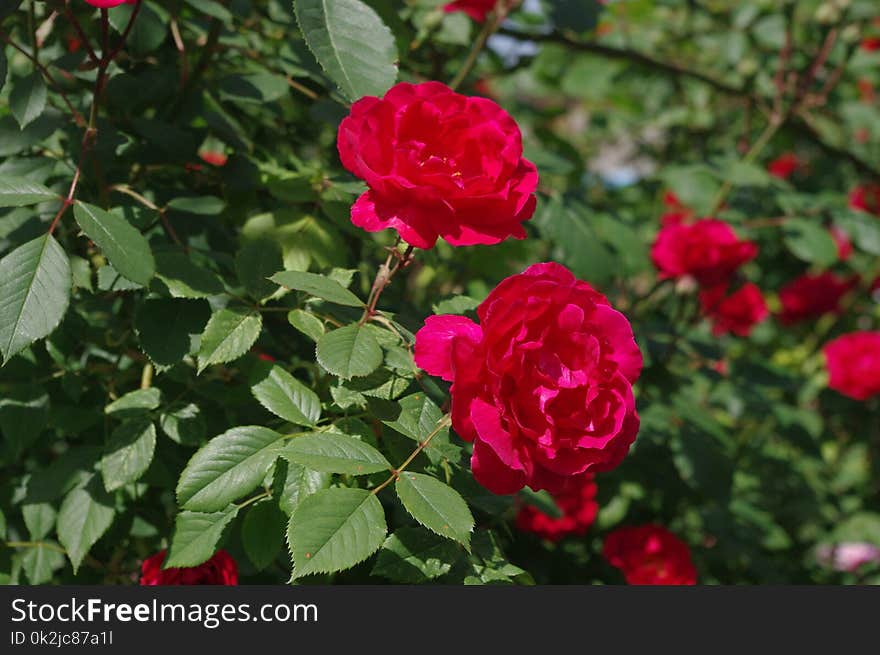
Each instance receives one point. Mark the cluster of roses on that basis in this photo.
(542, 385)
(709, 252)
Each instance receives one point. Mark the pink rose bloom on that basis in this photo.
(542, 386)
(848, 556)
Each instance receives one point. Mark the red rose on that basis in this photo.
(438, 164)
(106, 4)
(738, 313)
(784, 165)
(853, 362)
(219, 570)
(708, 250)
(841, 240)
(543, 385)
(213, 158)
(871, 44)
(866, 198)
(676, 213)
(476, 9)
(810, 296)
(577, 502)
(650, 555)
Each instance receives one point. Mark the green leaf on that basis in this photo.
(184, 278)
(85, 515)
(309, 324)
(575, 236)
(139, 400)
(211, 8)
(39, 518)
(418, 417)
(184, 424)
(696, 186)
(40, 561)
(334, 452)
(435, 505)
(229, 334)
(17, 192)
(300, 482)
(227, 467)
(24, 413)
(285, 396)
(255, 262)
(128, 453)
(319, 286)
(167, 328)
(412, 555)
(202, 205)
(125, 247)
(810, 241)
(27, 100)
(349, 351)
(35, 283)
(456, 305)
(334, 529)
(351, 43)
(196, 535)
(109, 279)
(262, 533)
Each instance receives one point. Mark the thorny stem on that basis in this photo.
(444, 422)
(91, 131)
(384, 276)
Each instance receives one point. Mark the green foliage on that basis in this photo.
(334, 529)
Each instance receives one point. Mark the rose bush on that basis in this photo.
(286, 297)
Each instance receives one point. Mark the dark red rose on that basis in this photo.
(738, 312)
(871, 44)
(221, 569)
(543, 385)
(866, 198)
(853, 362)
(810, 296)
(577, 502)
(438, 164)
(708, 250)
(476, 9)
(650, 555)
(784, 165)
